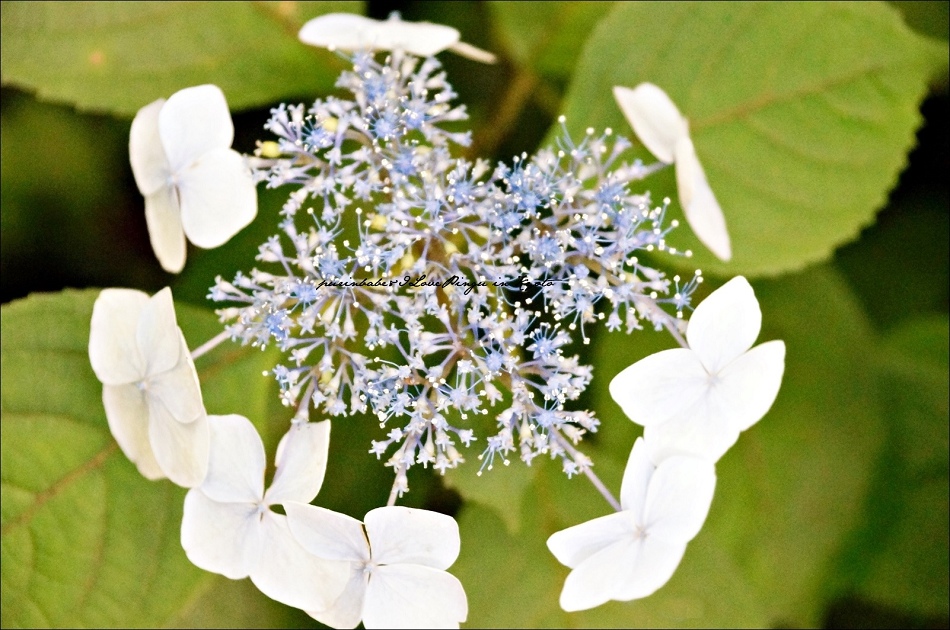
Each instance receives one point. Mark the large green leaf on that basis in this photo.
(65, 221)
(501, 489)
(802, 113)
(925, 16)
(118, 57)
(902, 557)
(547, 37)
(910, 235)
(238, 604)
(788, 493)
(86, 540)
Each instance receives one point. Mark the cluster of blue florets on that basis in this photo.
(439, 294)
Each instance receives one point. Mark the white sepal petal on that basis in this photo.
(660, 386)
(700, 207)
(655, 564)
(654, 117)
(157, 334)
(413, 596)
(220, 537)
(749, 385)
(327, 534)
(636, 477)
(594, 580)
(113, 345)
(418, 38)
(217, 196)
(193, 122)
(705, 431)
(347, 610)
(400, 534)
(678, 499)
(181, 449)
(163, 218)
(301, 463)
(236, 461)
(725, 324)
(286, 572)
(178, 388)
(127, 414)
(339, 31)
(149, 162)
(349, 32)
(574, 545)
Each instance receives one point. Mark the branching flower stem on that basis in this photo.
(209, 345)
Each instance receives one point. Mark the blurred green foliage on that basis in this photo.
(834, 510)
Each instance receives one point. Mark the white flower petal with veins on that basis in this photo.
(229, 528)
(192, 122)
(654, 118)
(217, 196)
(413, 596)
(632, 553)
(113, 346)
(165, 232)
(352, 33)
(194, 184)
(127, 415)
(397, 562)
(697, 400)
(146, 154)
(151, 393)
(665, 133)
(400, 535)
(301, 464)
(702, 211)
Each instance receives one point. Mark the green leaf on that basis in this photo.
(500, 489)
(801, 113)
(547, 36)
(64, 218)
(238, 604)
(523, 584)
(119, 57)
(86, 540)
(925, 16)
(910, 567)
(916, 389)
(788, 495)
(901, 559)
(910, 235)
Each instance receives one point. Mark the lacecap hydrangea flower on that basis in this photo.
(398, 559)
(194, 184)
(665, 132)
(150, 387)
(229, 526)
(631, 553)
(429, 291)
(698, 399)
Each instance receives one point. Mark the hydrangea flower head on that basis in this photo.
(194, 184)
(352, 33)
(228, 525)
(472, 279)
(150, 388)
(698, 399)
(631, 553)
(665, 132)
(398, 560)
